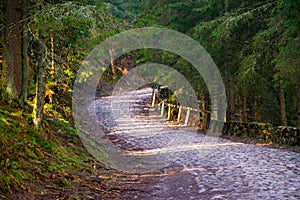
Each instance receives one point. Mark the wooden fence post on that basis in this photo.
(203, 114)
(169, 112)
(187, 117)
(200, 120)
(162, 108)
(158, 92)
(179, 114)
(204, 120)
(153, 98)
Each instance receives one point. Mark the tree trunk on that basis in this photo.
(231, 101)
(245, 113)
(298, 106)
(25, 45)
(52, 71)
(255, 114)
(40, 91)
(113, 68)
(282, 106)
(12, 66)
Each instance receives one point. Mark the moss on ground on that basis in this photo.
(46, 161)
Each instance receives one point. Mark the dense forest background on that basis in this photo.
(255, 44)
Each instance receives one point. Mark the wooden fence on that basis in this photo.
(199, 118)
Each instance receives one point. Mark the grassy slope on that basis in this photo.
(47, 163)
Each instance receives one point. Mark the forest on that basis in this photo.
(255, 45)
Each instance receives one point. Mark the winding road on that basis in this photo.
(192, 165)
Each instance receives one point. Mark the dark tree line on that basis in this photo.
(43, 43)
(255, 44)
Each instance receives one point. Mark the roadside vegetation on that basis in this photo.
(255, 44)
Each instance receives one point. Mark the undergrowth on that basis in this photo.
(29, 156)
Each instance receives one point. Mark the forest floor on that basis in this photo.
(50, 162)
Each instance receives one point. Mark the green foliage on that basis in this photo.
(255, 44)
(28, 154)
(67, 31)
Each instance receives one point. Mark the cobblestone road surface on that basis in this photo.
(198, 169)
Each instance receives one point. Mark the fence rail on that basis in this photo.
(164, 103)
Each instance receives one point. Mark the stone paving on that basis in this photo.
(204, 167)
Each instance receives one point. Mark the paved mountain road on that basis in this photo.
(222, 169)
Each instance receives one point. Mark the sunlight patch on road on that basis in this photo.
(180, 148)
